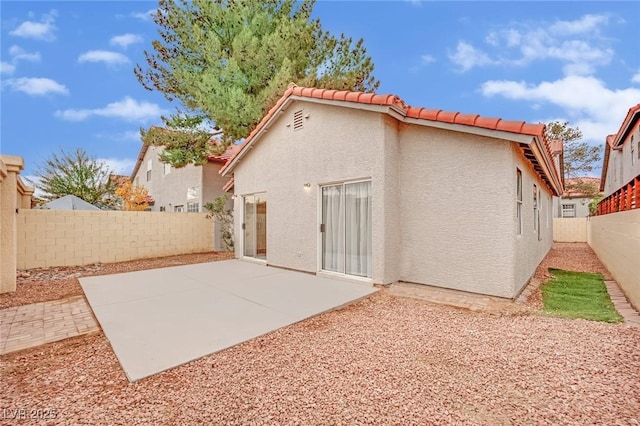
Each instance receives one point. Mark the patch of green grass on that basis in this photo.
(578, 295)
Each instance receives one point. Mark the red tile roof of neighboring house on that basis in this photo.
(556, 146)
(474, 120)
(587, 180)
(617, 140)
(228, 153)
(222, 158)
(633, 115)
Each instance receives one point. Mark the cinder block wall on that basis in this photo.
(570, 230)
(615, 238)
(71, 237)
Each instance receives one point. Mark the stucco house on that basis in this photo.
(574, 202)
(364, 187)
(621, 164)
(183, 189)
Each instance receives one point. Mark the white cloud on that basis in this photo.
(124, 40)
(427, 59)
(7, 68)
(127, 109)
(590, 105)
(108, 57)
(19, 54)
(144, 16)
(32, 180)
(577, 44)
(36, 86)
(43, 30)
(636, 78)
(119, 166)
(127, 135)
(466, 57)
(586, 24)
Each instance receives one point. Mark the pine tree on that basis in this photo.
(227, 63)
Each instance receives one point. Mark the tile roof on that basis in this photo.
(224, 157)
(574, 193)
(632, 116)
(474, 120)
(556, 146)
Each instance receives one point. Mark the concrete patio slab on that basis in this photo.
(162, 318)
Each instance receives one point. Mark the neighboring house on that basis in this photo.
(575, 203)
(68, 202)
(621, 164)
(362, 186)
(184, 189)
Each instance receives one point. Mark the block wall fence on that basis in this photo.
(615, 238)
(48, 238)
(570, 230)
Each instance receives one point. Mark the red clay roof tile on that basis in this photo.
(474, 120)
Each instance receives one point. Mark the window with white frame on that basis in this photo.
(519, 200)
(568, 210)
(167, 168)
(149, 165)
(535, 207)
(549, 207)
(193, 207)
(178, 209)
(633, 147)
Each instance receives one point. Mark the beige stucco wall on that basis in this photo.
(458, 213)
(443, 202)
(73, 237)
(529, 250)
(581, 206)
(570, 230)
(169, 190)
(622, 165)
(326, 150)
(615, 238)
(14, 194)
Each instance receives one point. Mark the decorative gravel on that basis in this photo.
(385, 360)
(44, 284)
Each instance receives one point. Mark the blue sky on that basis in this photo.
(68, 82)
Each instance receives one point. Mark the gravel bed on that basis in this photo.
(44, 284)
(385, 360)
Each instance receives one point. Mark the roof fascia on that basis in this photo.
(496, 134)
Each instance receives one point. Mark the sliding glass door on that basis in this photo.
(346, 228)
(255, 226)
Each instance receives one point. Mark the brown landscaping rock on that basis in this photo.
(43, 284)
(384, 360)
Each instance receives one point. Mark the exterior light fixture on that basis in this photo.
(307, 185)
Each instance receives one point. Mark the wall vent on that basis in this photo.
(297, 120)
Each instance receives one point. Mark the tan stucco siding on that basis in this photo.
(334, 145)
(529, 250)
(172, 189)
(624, 164)
(456, 211)
(615, 238)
